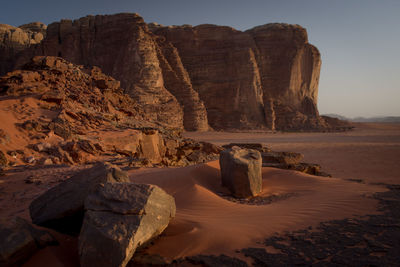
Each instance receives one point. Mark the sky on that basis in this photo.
(359, 40)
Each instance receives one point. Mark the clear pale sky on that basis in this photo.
(359, 40)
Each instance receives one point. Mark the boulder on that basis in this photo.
(20, 240)
(255, 146)
(281, 157)
(241, 171)
(61, 207)
(151, 146)
(119, 218)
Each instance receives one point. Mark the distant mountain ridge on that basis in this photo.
(389, 119)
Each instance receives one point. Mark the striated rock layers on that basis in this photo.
(263, 78)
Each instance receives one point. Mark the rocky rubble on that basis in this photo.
(92, 118)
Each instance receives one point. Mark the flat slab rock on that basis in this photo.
(120, 217)
(241, 171)
(61, 207)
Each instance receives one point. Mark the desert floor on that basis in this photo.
(285, 229)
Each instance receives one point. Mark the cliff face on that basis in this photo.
(13, 40)
(123, 48)
(289, 70)
(263, 78)
(222, 67)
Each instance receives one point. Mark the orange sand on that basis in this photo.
(209, 224)
(206, 223)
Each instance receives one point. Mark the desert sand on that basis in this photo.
(208, 223)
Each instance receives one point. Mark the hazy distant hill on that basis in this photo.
(377, 119)
(389, 119)
(337, 116)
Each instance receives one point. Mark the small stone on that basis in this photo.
(3, 159)
(30, 159)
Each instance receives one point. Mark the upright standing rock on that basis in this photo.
(241, 171)
(119, 218)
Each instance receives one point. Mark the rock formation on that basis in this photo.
(119, 218)
(122, 47)
(61, 207)
(263, 78)
(20, 240)
(13, 40)
(82, 107)
(266, 77)
(281, 160)
(241, 171)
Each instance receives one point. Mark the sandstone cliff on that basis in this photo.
(122, 46)
(266, 77)
(193, 77)
(16, 39)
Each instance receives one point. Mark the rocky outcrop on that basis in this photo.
(13, 40)
(289, 72)
(20, 240)
(222, 67)
(264, 78)
(241, 171)
(119, 218)
(82, 106)
(281, 160)
(62, 206)
(122, 47)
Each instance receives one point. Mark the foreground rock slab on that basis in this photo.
(61, 207)
(241, 171)
(20, 240)
(119, 218)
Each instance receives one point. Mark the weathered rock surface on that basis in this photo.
(289, 75)
(119, 218)
(282, 160)
(13, 40)
(20, 240)
(281, 157)
(223, 70)
(61, 207)
(269, 74)
(241, 171)
(90, 112)
(264, 78)
(122, 47)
